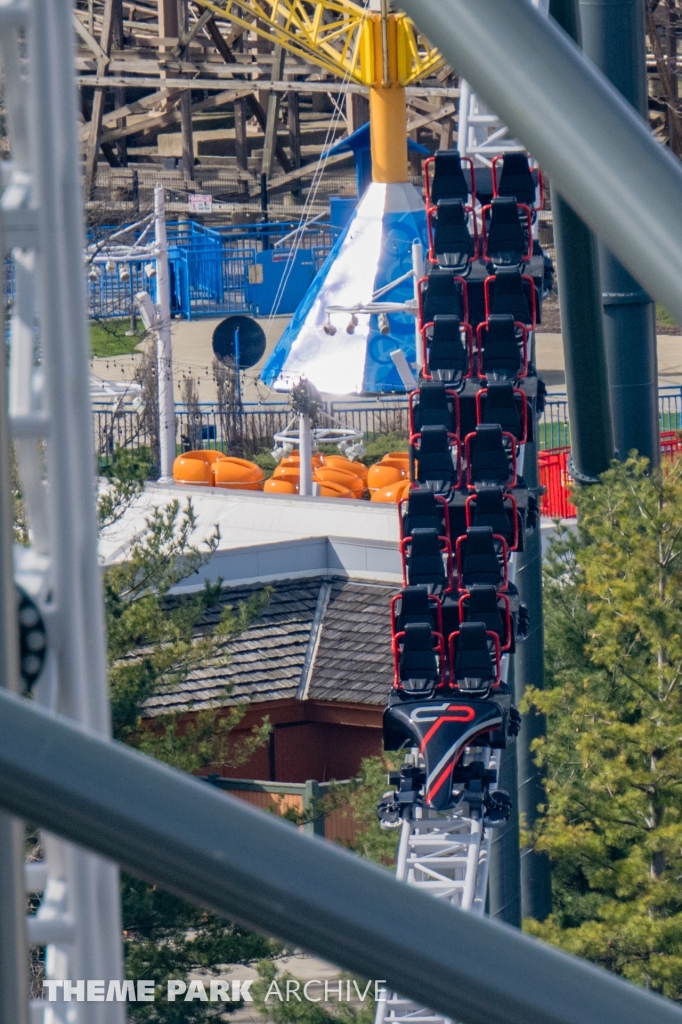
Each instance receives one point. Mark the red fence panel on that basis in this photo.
(555, 503)
(554, 476)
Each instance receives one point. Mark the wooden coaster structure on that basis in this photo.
(269, 68)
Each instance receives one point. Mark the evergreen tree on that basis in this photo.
(154, 640)
(613, 753)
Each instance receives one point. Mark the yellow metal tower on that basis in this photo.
(379, 49)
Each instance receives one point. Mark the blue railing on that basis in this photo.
(211, 270)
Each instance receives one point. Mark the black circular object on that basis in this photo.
(251, 341)
(32, 639)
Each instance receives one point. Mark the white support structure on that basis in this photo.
(79, 916)
(446, 855)
(480, 134)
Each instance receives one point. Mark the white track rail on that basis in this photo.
(78, 920)
(446, 856)
(480, 133)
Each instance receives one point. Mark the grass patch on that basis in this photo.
(395, 441)
(663, 318)
(108, 338)
(265, 460)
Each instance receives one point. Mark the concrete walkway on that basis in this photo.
(192, 353)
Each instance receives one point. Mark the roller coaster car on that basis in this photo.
(427, 561)
(482, 558)
(448, 180)
(451, 244)
(441, 729)
(517, 180)
(423, 510)
(414, 605)
(449, 346)
(433, 405)
(443, 292)
(490, 506)
(502, 345)
(436, 452)
(419, 660)
(512, 293)
(502, 403)
(507, 231)
(490, 456)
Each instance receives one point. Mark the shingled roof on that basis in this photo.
(324, 638)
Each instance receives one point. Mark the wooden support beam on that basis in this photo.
(241, 142)
(162, 119)
(294, 126)
(254, 106)
(272, 119)
(89, 40)
(217, 83)
(98, 101)
(168, 19)
(448, 110)
(187, 36)
(357, 111)
(185, 103)
(118, 43)
(283, 182)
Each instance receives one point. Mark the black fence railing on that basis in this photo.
(210, 426)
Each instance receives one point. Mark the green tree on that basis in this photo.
(154, 641)
(613, 753)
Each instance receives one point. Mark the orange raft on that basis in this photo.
(213, 469)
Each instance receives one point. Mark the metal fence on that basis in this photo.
(554, 428)
(120, 426)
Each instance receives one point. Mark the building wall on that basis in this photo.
(309, 740)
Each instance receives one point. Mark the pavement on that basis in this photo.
(550, 360)
(192, 353)
(304, 968)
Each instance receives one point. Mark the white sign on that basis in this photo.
(200, 204)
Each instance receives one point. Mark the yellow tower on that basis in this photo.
(387, 108)
(376, 48)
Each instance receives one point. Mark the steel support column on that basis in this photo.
(221, 853)
(13, 943)
(581, 318)
(536, 882)
(504, 879)
(613, 38)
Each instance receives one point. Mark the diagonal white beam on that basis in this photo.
(180, 833)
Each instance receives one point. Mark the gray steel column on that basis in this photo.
(504, 881)
(13, 943)
(613, 38)
(536, 882)
(219, 852)
(581, 318)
